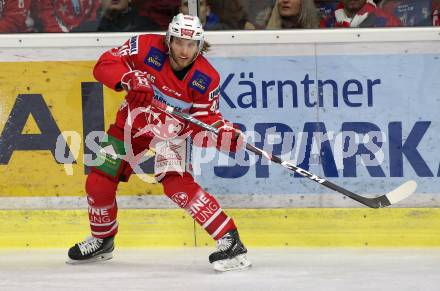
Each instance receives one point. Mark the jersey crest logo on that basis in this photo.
(164, 127)
(155, 59)
(200, 82)
(181, 198)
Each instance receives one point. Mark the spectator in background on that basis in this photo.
(436, 12)
(258, 12)
(209, 20)
(160, 12)
(325, 7)
(64, 15)
(359, 13)
(288, 14)
(231, 13)
(410, 12)
(117, 16)
(13, 15)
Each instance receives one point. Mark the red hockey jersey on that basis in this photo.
(368, 16)
(13, 14)
(197, 94)
(65, 15)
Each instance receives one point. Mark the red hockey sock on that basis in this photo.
(102, 205)
(204, 208)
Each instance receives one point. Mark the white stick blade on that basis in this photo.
(402, 192)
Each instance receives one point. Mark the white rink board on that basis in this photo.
(89, 46)
(230, 201)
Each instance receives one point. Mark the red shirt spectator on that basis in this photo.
(64, 15)
(13, 14)
(160, 12)
(359, 13)
(436, 13)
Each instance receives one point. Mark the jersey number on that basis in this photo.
(215, 105)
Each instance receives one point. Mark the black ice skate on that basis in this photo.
(91, 250)
(231, 254)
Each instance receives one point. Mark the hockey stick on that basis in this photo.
(390, 198)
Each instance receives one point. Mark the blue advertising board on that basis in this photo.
(368, 122)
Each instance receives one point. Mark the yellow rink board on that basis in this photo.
(317, 227)
(59, 84)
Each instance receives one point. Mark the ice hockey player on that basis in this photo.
(171, 69)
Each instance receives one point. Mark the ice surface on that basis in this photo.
(188, 269)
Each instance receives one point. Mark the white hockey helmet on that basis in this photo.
(187, 27)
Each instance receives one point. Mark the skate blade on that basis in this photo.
(98, 258)
(239, 263)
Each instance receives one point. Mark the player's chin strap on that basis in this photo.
(398, 194)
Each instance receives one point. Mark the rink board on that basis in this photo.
(40, 100)
(390, 88)
(301, 227)
(45, 90)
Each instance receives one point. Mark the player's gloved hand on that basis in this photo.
(139, 91)
(230, 137)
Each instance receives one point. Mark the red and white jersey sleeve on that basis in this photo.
(112, 65)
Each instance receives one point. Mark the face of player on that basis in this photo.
(203, 9)
(353, 6)
(288, 8)
(183, 51)
(115, 5)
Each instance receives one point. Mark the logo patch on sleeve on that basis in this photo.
(155, 59)
(214, 93)
(134, 49)
(200, 82)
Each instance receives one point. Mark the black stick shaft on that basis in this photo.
(311, 176)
